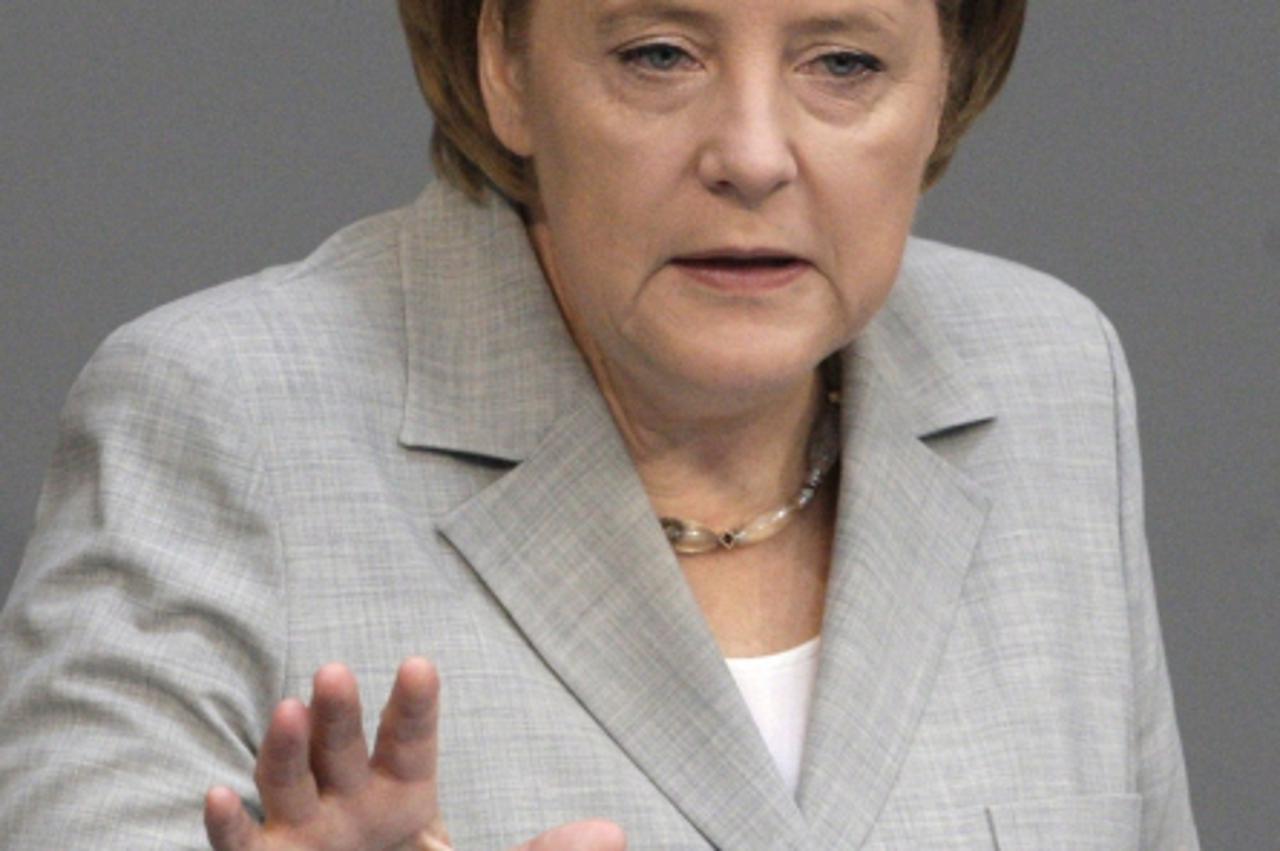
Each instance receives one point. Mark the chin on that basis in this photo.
(744, 368)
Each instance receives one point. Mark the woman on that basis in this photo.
(652, 378)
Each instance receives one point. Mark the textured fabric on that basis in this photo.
(393, 447)
(778, 689)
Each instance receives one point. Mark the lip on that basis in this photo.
(742, 271)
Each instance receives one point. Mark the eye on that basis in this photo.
(658, 56)
(849, 64)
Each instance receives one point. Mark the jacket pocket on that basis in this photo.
(1081, 823)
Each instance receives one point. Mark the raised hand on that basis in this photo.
(321, 790)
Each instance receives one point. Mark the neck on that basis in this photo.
(718, 465)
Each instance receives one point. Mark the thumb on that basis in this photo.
(591, 835)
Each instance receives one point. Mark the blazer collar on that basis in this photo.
(491, 365)
(492, 371)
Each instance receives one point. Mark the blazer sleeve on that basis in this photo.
(1167, 821)
(140, 647)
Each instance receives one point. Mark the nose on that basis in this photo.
(748, 152)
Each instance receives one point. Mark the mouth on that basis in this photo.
(742, 271)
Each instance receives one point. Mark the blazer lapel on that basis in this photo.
(569, 543)
(909, 523)
(566, 539)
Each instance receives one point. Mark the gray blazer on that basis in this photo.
(393, 447)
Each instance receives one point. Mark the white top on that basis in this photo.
(778, 689)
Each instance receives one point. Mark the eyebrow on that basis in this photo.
(653, 11)
(864, 20)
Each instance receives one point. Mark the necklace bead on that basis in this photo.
(688, 537)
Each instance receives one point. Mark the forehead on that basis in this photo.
(794, 16)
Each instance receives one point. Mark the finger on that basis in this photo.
(592, 835)
(283, 773)
(339, 755)
(434, 837)
(226, 823)
(406, 744)
(426, 842)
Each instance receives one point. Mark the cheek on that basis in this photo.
(596, 147)
(594, 167)
(606, 179)
(867, 182)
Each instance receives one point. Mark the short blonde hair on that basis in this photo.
(981, 37)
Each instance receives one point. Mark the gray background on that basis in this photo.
(148, 149)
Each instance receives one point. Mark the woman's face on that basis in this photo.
(726, 185)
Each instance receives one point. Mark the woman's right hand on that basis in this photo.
(320, 789)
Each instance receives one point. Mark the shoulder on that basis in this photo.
(1040, 355)
(337, 312)
(977, 295)
(1009, 323)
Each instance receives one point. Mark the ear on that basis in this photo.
(502, 83)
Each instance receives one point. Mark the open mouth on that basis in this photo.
(742, 272)
(740, 259)
(740, 262)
